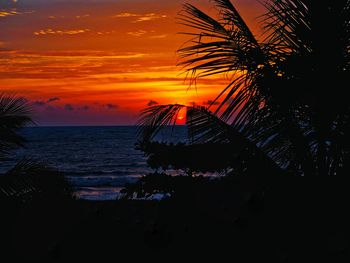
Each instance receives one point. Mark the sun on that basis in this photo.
(180, 120)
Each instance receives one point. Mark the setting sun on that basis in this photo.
(145, 129)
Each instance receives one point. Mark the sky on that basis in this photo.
(99, 62)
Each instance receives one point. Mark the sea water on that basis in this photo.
(97, 161)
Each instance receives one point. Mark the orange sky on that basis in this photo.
(98, 62)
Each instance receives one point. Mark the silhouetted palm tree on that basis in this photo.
(15, 113)
(287, 98)
(28, 177)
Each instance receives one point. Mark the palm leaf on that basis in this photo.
(275, 100)
(206, 132)
(15, 113)
(153, 119)
(206, 127)
(222, 46)
(29, 178)
(285, 23)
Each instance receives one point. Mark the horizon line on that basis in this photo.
(88, 125)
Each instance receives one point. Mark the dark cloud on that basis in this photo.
(52, 99)
(39, 103)
(152, 103)
(210, 102)
(50, 108)
(111, 106)
(84, 107)
(68, 107)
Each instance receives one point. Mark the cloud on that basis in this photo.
(85, 107)
(152, 103)
(13, 12)
(50, 31)
(106, 32)
(140, 17)
(211, 102)
(4, 13)
(159, 36)
(126, 14)
(52, 99)
(111, 106)
(68, 107)
(137, 33)
(55, 17)
(149, 17)
(39, 103)
(76, 16)
(82, 16)
(51, 108)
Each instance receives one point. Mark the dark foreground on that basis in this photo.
(300, 220)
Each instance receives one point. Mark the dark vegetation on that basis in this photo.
(278, 138)
(28, 179)
(278, 132)
(33, 196)
(284, 114)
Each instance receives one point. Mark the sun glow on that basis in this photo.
(116, 60)
(181, 117)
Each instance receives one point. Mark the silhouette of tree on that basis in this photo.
(15, 113)
(287, 98)
(28, 178)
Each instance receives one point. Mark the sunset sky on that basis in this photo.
(98, 62)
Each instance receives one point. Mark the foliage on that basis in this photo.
(15, 113)
(287, 98)
(158, 183)
(28, 179)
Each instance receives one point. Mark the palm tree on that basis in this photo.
(287, 99)
(28, 177)
(15, 113)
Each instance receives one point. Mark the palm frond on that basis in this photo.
(223, 46)
(29, 178)
(215, 145)
(205, 127)
(154, 118)
(275, 101)
(28, 167)
(15, 113)
(230, 14)
(226, 45)
(285, 22)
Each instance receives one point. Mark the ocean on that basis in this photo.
(97, 161)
